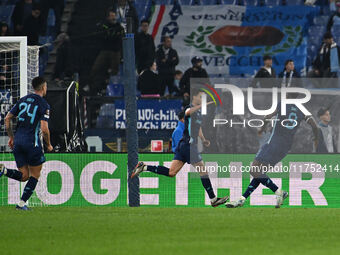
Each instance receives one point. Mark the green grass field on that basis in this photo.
(53, 230)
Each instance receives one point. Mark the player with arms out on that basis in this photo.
(187, 151)
(32, 112)
(276, 148)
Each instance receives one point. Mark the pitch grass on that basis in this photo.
(149, 231)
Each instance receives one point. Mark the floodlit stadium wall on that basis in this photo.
(98, 179)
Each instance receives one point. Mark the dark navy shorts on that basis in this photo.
(28, 154)
(187, 153)
(271, 154)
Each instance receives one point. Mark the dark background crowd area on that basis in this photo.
(94, 48)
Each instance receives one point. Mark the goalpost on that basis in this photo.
(19, 64)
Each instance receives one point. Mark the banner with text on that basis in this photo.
(152, 114)
(101, 179)
(233, 39)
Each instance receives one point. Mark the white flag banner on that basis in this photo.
(232, 39)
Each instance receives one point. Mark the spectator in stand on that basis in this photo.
(196, 71)
(107, 62)
(265, 72)
(167, 60)
(124, 9)
(58, 8)
(327, 139)
(178, 132)
(289, 74)
(177, 80)
(4, 29)
(21, 12)
(326, 64)
(63, 67)
(145, 47)
(33, 26)
(335, 17)
(149, 81)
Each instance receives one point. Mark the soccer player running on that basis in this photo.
(33, 114)
(277, 147)
(187, 151)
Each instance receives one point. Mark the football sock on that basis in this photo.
(21, 203)
(278, 192)
(252, 186)
(29, 188)
(13, 174)
(208, 187)
(158, 170)
(266, 181)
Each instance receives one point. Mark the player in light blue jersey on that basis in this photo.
(187, 150)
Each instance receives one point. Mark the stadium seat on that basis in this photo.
(9, 2)
(208, 2)
(312, 51)
(239, 2)
(185, 2)
(325, 10)
(316, 30)
(146, 11)
(142, 10)
(336, 30)
(115, 90)
(166, 2)
(51, 18)
(250, 2)
(196, 2)
(314, 40)
(228, 1)
(337, 40)
(272, 2)
(6, 13)
(295, 2)
(321, 20)
(46, 40)
(309, 61)
(107, 110)
(142, 2)
(105, 122)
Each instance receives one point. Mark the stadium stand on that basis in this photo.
(86, 13)
(47, 58)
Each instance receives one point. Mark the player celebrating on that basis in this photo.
(33, 114)
(275, 150)
(187, 146)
